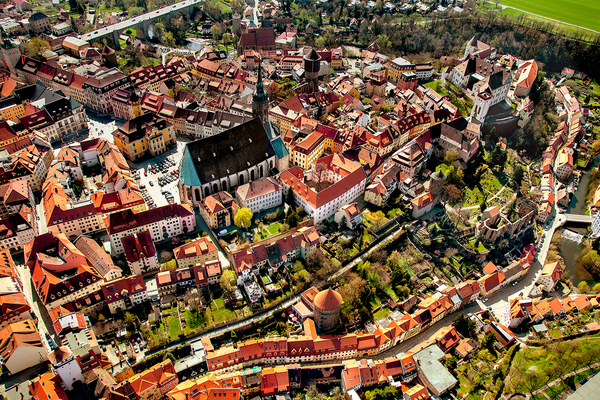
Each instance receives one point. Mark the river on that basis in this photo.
(569, 249)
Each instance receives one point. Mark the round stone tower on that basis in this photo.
(436, 185)
(312, 65)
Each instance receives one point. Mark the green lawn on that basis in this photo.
(220, 313)
(554, 391)
(555, 333)
(382, 313)
(438, 86)
(272, 230)
(174, 329)
(539, 359)
(192, 321)
(480, 247)
(222, 5)
(576, 12)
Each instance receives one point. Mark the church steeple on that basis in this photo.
(260, 99)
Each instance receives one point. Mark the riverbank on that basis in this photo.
(571, 250)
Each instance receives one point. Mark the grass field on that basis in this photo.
(577, 12)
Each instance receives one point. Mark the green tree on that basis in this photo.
(465, 326)
(217, 32)
(159, 31)
(454, 176)
(168, 39)
(229, 282)
(227, 38)
(451, 156)
(488, 342)
(289, 197)
(243, 218)
(237, 6)
(596, 147)
(135, 11)
(36, 46)
(74, 26)
(517, 175)
(130, 319)
(498, 156)
(342, 223)
(591, 262)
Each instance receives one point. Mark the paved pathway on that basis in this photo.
(559, 380)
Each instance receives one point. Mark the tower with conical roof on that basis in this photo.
(312, 66)
(136, 107)
(260, 99)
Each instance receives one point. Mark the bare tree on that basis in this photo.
(320, 175)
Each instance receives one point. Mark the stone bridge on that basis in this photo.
(577, 218)
(142, 22)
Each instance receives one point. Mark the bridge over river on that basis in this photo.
(142, 22)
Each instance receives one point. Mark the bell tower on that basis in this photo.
(136, 108)
(260, 99)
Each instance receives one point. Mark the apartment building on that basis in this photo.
(99, 89)
(198, 251)
(145, 134)
(61, 274)
(347, 181)
(163, 223)
(124, 293)
(260, 195)
(140, 253)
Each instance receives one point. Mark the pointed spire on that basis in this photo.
(260, 96)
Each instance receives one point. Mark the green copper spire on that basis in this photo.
(260, 95)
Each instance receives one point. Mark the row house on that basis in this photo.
(204, 123)
(306, 152)
(14, 308)
(145, 134)
(99, 258)
(30, 163)
(140, 253)
(18, 229)
(162, 223)
(217, 387)
(21, 346)
(198, 251)
(100, 88)
(284, 250)
(57, 119)
(73, 217)
(155, 382)
(124, 293)
(94, 91)
(218, 210)
(151, 77)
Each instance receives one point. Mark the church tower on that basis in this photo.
(260, 99)
(136, 108)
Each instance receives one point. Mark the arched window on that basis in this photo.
(241, 180)
(197, 194)
(252, 175)
(215, 188)
(260, 171)
(224, 186)
(206, 191)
